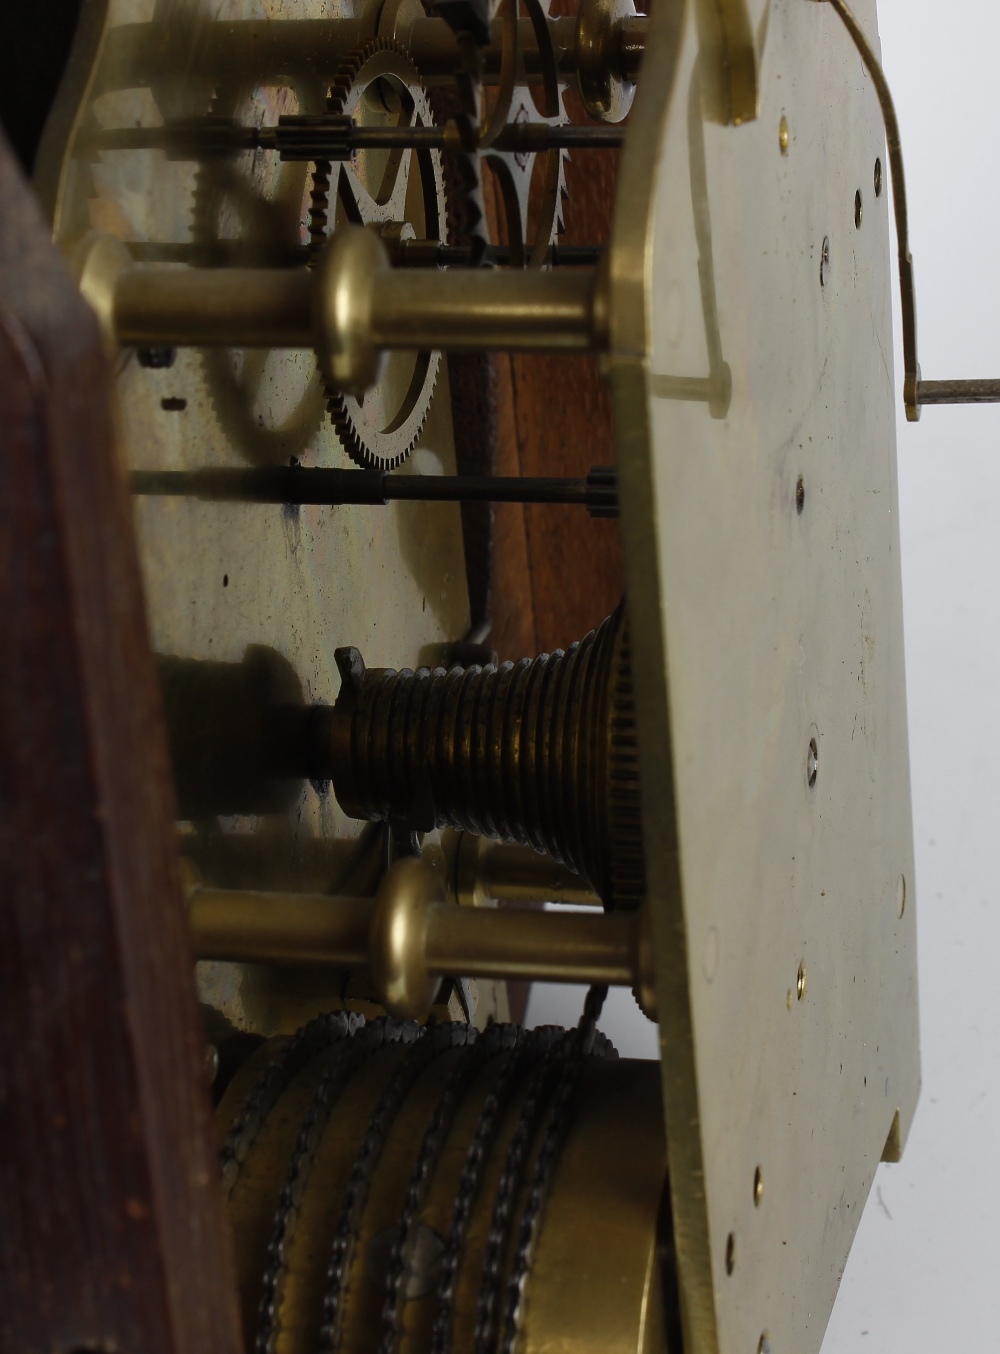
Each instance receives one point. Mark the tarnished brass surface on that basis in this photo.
(762, 563)
(214, 308)
(541, 752)
(408, 937)
(743, 317)
(280, 587)
(295, 43)
(730, 60)
(605, 1207)
(352, 309)
(285, 928)
(481, 870)
(606, 91)
(596, 1282)
(262, 1175)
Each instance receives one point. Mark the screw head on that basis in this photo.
(812, 763)
(783, 135)
(758, 1187)
(800, 981)
(859, 210)
(800, 495)
(878, 177)
(901, 895)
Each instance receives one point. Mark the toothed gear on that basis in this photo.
(514, 171)
(251, 208)
(379, 430)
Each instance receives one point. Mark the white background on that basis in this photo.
(923, 1274)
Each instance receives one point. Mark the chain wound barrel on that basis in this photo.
(540, 752)
(379, 1215)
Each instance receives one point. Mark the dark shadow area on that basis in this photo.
(232, 730)
(35, 41)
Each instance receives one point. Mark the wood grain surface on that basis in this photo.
(557, 572)
(112, 1232)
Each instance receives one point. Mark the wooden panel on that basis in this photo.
(557, 572)
(112, 1233)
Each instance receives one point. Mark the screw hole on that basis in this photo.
(800, 495)
(901, 896)
(730, 1252)
(758, 1187)
(858, 209)
(878, 177)
(225, 580)
(800, 981)
(824, 262)
(156, 359)
(812, 763)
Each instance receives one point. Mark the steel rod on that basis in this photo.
(973, 391)
(336, 487)
(336, 138)
(517, 136)
(485, 489)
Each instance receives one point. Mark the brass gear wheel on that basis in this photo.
(249, 209)
(515, 170)
(378, 84)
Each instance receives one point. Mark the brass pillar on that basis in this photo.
(409, 938)
(352, 308)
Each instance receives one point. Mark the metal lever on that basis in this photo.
(916, 391)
